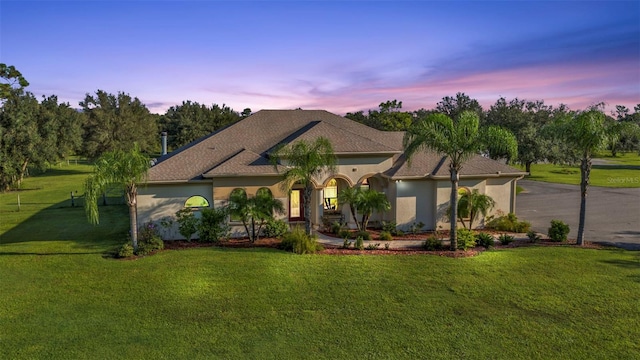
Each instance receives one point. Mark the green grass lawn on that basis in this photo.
(527, 303)
(624, 172)
(61, 297)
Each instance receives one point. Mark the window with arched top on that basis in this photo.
(365, 184)
(195, 202)
(331, 195)
(240, 194)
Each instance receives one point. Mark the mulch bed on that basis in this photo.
(337, 250)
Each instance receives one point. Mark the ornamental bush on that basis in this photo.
(299, 242)
(466, 239)
(275, 228)
(485, 240)
(558, 231)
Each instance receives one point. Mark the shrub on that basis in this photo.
(149, 239)
(386, 246)
(509, 223)
(336, 226)
(391, 227)
(364, 235)
(432, 244)
(125, 251)
(346, 244)
(359, 243)
(344, 234)
(466, 239)
(385, 235)
(275, 228)
(416, 227)
(485, 240)
(506, 239)
(558, 231)
(533, 236)
(373, 246)
(213, 225)
(299, 242)
(187, 223)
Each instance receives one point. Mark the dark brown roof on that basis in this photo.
(241, 149)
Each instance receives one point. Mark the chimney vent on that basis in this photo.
(164, 143)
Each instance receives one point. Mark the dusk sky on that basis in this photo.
(337, 56)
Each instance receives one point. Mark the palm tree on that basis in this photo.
(473, 203)
(459, 140)
(117, 169)
(587, 133)
(351, 196)
(254, 210)
(304, 161)
(369, 201)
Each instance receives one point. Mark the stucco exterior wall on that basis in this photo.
(502, 192)
(414, 202)
(159, 201)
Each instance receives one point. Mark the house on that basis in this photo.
(205, 172)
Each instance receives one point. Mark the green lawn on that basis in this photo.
(624, 172)
(527, 303)
(62, 298)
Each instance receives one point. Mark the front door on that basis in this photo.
(296, 210)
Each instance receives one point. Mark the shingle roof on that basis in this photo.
(242, 148)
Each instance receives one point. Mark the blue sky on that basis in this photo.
(333, 55)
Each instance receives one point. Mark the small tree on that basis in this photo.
(370, 201)
(255, 210)
(459, 140)
(471, 204)
(351, 196)
(304, 162)
(117, 169)
(187, 223)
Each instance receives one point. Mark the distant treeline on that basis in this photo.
(35, 134)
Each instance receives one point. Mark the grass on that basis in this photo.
(46, 214)
(220, 303)
(623, 173)
(61, 298)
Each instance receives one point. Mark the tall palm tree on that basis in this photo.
(369, 201)
(587, 132)
(459, 140)
(304, 161)
(473, 203)
(351, 196)
(120, 169)
(254, 210)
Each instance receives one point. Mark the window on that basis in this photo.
(296, 212)
(240, 197)
(196, 202)
(331, 195)
(365, 184)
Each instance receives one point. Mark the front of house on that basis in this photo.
(236, 158)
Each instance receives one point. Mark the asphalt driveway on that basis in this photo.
(613, 215)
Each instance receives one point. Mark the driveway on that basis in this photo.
(613, 215)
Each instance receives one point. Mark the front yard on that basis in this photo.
(66, 302)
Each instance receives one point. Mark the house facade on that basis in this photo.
(236, 158)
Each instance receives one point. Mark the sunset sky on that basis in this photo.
(338, 56)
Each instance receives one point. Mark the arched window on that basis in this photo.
(196, 202)
(263, 191)
(331, 195)
(365, 184)
(241, 196)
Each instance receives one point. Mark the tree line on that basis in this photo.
(533, 123)
(37, 133)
